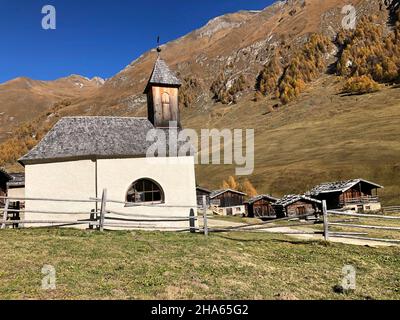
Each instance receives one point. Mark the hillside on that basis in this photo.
(322, 136)
(307, 131)
(22, 99)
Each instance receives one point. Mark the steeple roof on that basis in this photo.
(162, 75)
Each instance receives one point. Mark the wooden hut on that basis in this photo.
(228, 202)
(16, 191)
(357, 195)
(200, 193)
(261, 206)
(4, 179)
(296, 205)
(16, 186)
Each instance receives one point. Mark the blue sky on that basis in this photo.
(96, 37)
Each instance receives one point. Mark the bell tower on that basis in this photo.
(162, 92)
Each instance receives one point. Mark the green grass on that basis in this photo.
(140, 265)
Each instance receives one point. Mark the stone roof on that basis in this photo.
(262, 197)
(203, 189)
(17, 181)
(76, 138)
(162, 75)
(339, 186)
(5, 175)
(217, 193)
(290, 199)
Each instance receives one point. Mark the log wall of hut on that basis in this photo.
(297, 209)
(3, 186)
(357, 192)
(200, 193)
(301, 208)
(260, 208)
(228, 199)
(336, 200)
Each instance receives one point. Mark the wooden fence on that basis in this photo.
(348, 220)
(355, 221)
(267, 226)
(391, 210)
(103, 218)
(100, 219)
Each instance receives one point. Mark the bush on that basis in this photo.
(188, 92)
(227, 90)
(360, 85)
(268, 79)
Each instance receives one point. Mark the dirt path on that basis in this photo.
(214, 223)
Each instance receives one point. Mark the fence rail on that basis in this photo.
(99, 218)
(102, 217)
(393, 209)
(356, 217)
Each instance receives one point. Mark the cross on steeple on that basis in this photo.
(158, 45)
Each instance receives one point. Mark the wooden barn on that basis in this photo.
(357, 195)
(296, 205)
(200, 193)
(16, 186)
(4, 179)
(228, 202)
(261, 206)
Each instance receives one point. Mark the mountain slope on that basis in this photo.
(22, 99)
(322, 136)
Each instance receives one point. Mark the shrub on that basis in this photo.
(268, 78)
(188, 92)
(227, 90)
(360, 85)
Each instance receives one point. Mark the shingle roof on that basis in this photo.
(203, 189)
(5, 174)
(216, 193)
(92, 137)
(261, 197)
(339, 186)
(162, 75)
(290, 199)
(18, 180)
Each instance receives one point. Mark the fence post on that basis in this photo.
(92, 219)
(205, 216)
(326, 221)
(192, 221)
(103, 210)
(5, 214)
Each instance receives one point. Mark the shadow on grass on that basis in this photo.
(288, 241)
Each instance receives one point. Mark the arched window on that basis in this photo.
(145, 190)
(166, 108)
